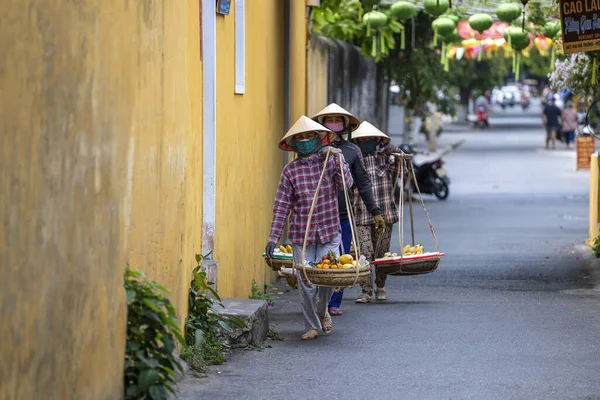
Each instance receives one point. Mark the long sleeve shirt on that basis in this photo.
(295, 192)
(382, 169)
(354, 158)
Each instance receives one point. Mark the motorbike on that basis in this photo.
(431, 177)
(424, 129)
(482, 118)
(524, 102)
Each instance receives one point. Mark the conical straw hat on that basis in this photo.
(334, 109)
(303, 124)
(367, 130)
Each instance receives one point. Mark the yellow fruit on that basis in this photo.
(345, 259)
(340, 265)
(326, 266)
(348, 266)
(326, 262)
(283, 249)
(319, 266)
(354, 263)
(289, 249)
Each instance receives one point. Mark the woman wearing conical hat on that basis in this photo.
(344, 123)
(297, 187)
(382, 168)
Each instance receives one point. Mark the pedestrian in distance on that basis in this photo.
(382, 168)
(551, 121)
(343, 123)
(570, 122)
(295, 194)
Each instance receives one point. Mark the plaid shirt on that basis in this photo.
(381, 169)
(295, 192)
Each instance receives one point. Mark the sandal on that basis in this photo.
(310, 335)
(380, 294)
(335, 311)
(363, 298)
(326, 323)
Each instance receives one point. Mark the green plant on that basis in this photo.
(203, 326)
(273, 334)
(266, 295)
(152, 329)
(596, 247)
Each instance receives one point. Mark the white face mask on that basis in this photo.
(345, 136)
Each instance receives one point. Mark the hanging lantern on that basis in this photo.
(480, 22)
(402, 11)
(508, 12)
(374, 20)
(443, 26)
(436, 7)
(519, 41)
(551, 30)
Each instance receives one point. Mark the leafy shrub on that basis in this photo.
(205, 343)
(266, 295)
(151, 333)
(596, 247)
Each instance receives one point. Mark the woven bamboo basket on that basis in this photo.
(346, 277)
(409, 267)
(277, 263)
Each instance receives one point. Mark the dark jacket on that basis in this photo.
(362, 181)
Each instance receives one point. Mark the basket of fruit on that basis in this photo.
(282, 257)
(413, 261)
(342, 271)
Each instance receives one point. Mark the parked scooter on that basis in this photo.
(431, 177)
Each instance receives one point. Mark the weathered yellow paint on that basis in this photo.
(164, 229)
(68, 82)
(299, 35)
(318, 58)
(248, 129)
(100, 165)
(594, 199)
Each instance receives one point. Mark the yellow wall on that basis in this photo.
(165, 154)
(249, 127)
(318, 58)
(100, 164)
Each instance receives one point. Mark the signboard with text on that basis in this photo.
(586, 146)
(580, 25)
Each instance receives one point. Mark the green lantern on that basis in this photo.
(480, 22)
(453, 17)
(436, 7)
(403, 10)
(551, 30)
(515, 36)
(518, 40)
(374, 20)
(508, 12)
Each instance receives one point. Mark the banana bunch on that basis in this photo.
(286, 249)
(412, 250)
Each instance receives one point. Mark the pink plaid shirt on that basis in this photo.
(295, 192)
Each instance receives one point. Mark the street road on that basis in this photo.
(511, 313)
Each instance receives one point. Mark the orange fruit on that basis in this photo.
(326, 266)
(326, 262)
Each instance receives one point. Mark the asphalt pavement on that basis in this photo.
(511, 313)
